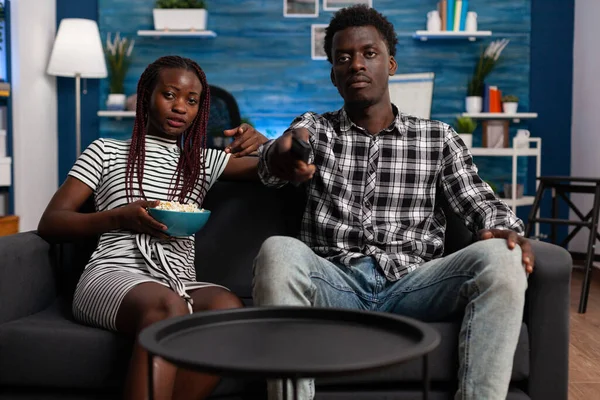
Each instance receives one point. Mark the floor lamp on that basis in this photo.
(77, 53)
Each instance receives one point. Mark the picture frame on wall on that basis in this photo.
(317, 39)
(300, 8)
(334, 5)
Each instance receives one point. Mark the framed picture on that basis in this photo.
(334, 5)
(300, 8)
(317, 39)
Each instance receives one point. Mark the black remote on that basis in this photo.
(300, 149)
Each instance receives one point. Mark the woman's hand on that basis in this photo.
(134, 217)
(247, 140)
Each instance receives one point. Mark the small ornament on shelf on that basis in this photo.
(510, 104)
(118, 56)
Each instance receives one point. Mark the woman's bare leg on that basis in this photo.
(144, 305)
(191, 385)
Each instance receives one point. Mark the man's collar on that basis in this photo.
(399, 122)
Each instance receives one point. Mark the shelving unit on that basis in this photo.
(116, 114)
(500, 116)
(515, 152)
(471, 36)
(6, 163)
(189, 34)
(5, 171)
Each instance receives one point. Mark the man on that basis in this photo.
(372, 235)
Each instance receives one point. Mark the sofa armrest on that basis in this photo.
(547, 318)
(27, 281)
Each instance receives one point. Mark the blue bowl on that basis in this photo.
(180, 223)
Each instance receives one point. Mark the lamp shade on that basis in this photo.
(77, 50)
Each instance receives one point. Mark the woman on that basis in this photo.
(138, 275)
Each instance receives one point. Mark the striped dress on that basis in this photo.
(124, 259)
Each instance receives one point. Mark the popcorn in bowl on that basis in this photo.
(177, 206)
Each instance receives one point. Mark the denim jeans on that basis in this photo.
(485, 283)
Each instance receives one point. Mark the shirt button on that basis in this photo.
(367, 204)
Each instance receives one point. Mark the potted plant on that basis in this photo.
(118, 57)
(486, 63)
(180, 15)
(465, 126)
(510, 104)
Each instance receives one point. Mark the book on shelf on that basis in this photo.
(457, 12)
(443, 11)
(491, 99)
(495, 99)
(463, 14)
(453, 14)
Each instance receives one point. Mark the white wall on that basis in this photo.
(35, 151)
(585, 140)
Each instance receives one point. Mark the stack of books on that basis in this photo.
(492, 99)
(453, 14)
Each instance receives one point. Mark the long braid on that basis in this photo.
(192, 143)
(192, 160)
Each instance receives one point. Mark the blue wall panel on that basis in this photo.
(66, 95)
(264, 59)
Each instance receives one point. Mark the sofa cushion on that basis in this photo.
(50, 350)
(443, 363)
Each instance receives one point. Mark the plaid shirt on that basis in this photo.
(375, 194)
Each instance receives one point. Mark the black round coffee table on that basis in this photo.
(288, 343)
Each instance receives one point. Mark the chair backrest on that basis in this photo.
(224, 114)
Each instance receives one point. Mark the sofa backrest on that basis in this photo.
(243, 215)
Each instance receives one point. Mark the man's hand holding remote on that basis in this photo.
(289, 155)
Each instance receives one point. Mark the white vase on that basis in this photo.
(179, 19)
(116, 102)
(510, 108)
(471, 23)
(467, 138)
(473, 104)
(434, 22)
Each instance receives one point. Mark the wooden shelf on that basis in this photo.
(500, 116)
(189, 34)
(116, 114)
(471, 36)
(504, 152)
(9, 225)
(4, 89)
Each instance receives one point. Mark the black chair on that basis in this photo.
(224, 114)
(560, 187)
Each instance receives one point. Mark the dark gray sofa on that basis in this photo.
(44, 354)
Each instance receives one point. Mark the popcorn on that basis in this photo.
(176, 206)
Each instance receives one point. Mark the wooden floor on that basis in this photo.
(584, 357)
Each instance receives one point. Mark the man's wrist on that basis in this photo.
(268, 154)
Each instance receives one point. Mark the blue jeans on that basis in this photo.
(485, 282)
